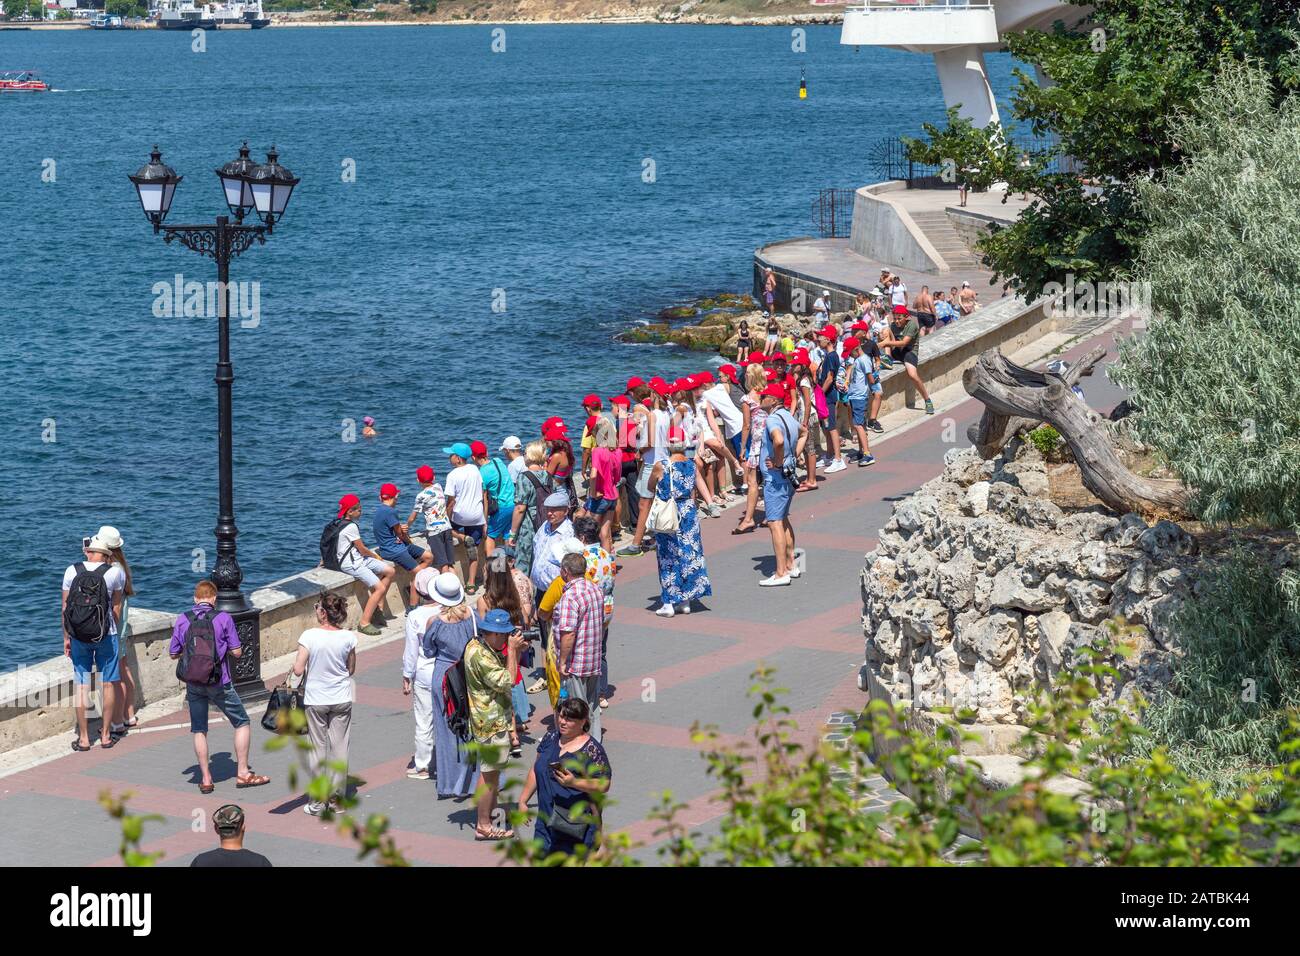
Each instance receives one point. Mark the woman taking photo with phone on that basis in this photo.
(571, 768)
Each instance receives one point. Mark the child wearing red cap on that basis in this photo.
(432, 504)
(394, 544)
(354, 558)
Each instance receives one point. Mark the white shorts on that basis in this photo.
(369, 570)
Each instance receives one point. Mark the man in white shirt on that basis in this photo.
(822, 308)
(467, 505)
(513, 449)
(87, 652)
(898, 292)
(733, 422)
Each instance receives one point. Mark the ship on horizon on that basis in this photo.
(187, 15)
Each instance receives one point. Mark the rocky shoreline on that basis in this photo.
(712, 324)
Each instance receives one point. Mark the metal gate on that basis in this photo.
(832, 213)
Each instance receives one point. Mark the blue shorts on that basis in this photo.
(499, 523)
(777, 493)
(200, 697)
(407, 555)
(876, 388)
(475, 533)
(104, 655)
(858, 408)
(598, 506)
(734, 441)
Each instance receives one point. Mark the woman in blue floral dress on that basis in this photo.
(683, 577)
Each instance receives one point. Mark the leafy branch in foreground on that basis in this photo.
(132, 828)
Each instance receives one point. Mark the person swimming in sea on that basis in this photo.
(368, 429)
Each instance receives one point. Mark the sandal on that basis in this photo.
(76, 745)
(492, 833)
(251, 780)
(207, 787)
(108, 744)
(537, 686)
(739, 530)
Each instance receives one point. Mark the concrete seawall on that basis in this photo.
(38, 701)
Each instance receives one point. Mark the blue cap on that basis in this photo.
(460, 449)
(497, 621)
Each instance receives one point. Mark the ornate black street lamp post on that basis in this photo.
(247, 186)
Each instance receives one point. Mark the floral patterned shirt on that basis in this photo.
(600, 571)
(489, 691)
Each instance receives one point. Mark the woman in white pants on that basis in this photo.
(417, 674)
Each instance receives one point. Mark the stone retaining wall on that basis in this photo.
(38, 701)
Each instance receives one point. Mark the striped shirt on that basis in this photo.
(582, 611)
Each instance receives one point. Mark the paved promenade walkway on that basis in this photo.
(698, 666)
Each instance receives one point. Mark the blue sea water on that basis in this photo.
(475, 171)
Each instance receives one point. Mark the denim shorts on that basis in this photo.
(777, 492)
(103, 655)
(222, 696)
(643, 489)
(474, 534)
(858, 408)
(598, 506)
(407, 555)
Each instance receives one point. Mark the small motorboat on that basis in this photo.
(21, 81)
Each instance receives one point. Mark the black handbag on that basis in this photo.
(284, 699)
(563, 824)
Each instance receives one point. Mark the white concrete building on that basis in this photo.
(957, 34)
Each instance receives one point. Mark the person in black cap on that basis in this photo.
(228, 821)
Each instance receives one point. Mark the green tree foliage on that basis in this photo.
(126, 8)
(1224, 716)
(1118, 84)
(785, 802)
(1217, 374)
(982, 152)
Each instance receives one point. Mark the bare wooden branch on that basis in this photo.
(993, 431)
(1011, 392)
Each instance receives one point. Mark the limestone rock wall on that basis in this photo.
(980, 586)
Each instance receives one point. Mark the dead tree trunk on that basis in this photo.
(1010, 392)
(994, 431)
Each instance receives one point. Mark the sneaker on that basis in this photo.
(929, 407)
(684, 608)
(886, 361)
(774, 581)
(649, 545)
(666, 610)
(839, 464)
(631, 551)
(795, 573)
(875, 426)
(369, 630)
(314, 809)
(537, 686)
(865, 460)
(416, 774)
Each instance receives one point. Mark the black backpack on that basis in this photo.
(88, 612)
(541, 490)
(455, 699)
(199, 663)
(329, 543)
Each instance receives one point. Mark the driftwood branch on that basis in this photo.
(994, 431)
(1011, 392)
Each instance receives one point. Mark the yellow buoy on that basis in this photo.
(803, 86)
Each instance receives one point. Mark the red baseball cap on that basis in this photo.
(388, 491)
(900, 310)
(703, 378)
(850, 344)
(554, 432)
(683, 384)
(661, 387)
(424, 473)
(860, 327)
(347, 503)
(771, 374)
(800, 357)
(552, 422)
(477, 448)
(775, 390)
(635, 382)
(729, 371)
(830, 331)
(591, 400)
(620, 400)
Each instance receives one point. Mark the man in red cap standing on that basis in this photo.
(393, 543)
(354, 558)
(825, 377)
(591, 406)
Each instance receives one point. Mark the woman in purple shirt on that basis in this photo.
(200, 697)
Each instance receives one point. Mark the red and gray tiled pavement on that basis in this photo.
(698, 666)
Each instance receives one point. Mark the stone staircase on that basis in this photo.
(939, 230)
